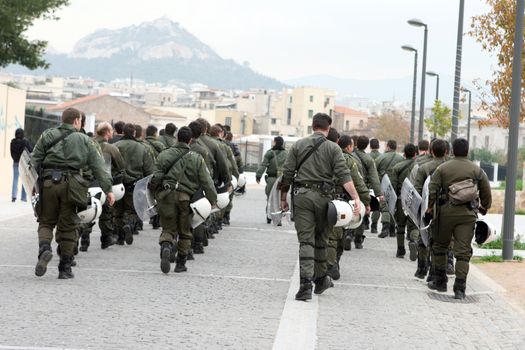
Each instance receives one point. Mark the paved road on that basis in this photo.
(239, 295)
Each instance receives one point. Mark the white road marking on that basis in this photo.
(298, 324)
(12, 347)
(260, 229)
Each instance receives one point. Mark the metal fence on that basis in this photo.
(37, 121)
(252, 154)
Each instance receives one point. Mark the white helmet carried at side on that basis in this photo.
(201, 210)
(241, 182)
(119, 191)
(234, 182)
(357, 220)
(223, 199)
(485, 232)
(97, 193)
(91, 213)
(339, 213)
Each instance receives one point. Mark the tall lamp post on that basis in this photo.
(512, 155)
(468, 114)
(457, 74)
(433, 74)
(413, 119)
(419, 23)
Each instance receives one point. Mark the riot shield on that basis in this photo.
(273, 207)
(411, 202)
(424, 206)
(143, 200)
(29, 177)
(390, 194)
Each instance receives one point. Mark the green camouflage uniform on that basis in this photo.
(384, 164)
(75, 155)
(272, 163)
(178, 183)
(374, 154)
(167, 140)
(155, 145)
(398, 175)
(310, 201)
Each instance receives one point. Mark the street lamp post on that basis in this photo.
(457, 74)
(512, 155)
(413, 119)
(433, 74)
(468, 114)
(419, 23)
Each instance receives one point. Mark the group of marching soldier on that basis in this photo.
(429, 197)
(190, 172)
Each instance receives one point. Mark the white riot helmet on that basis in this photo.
(241, 182)
(234, 182)
(91, 213)
(223, 199)
(201, 210)
(119, 191)
(356, 220)
(485, 232)
(339, 213)
(96, 192)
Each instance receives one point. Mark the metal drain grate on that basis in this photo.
(446, 298)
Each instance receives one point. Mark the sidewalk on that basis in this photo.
(9, 210)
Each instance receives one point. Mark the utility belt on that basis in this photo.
(470, 205)
(325, 188)
(59, 174)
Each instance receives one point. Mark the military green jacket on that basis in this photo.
(187, 175)
(155, 145)
(198, 146)
(456, 170)
(369, 172)
(424, 158)
(400, 172)
(272, 163)
(138, 159)
(77, 152)
(425, 170)
(118, 166)
(221, 171)
(167, 140)
(374, 154)
(359, 182)
(325, 164)
(232, 165)
(386, 161)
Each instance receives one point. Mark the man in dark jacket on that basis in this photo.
(18, 145)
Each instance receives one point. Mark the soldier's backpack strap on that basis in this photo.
(58, 139)
(406, 166)
(310, 152)
(362, 161)
(177, 159)
(391, 160)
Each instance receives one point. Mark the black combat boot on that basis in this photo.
(385, 230)
(349, 237)
(219, 225)
(84, 242)
(198, 248)
(322, 284)
(268, 221)
(128, 234)
(422, 269)
(333, 272)
(460, 284)
(181, 264)
(226, 219)
(139, 226)
(412, 247)
(366, 222)
(165, 253)
(400, 252)
(64, 267)
(440, 281)
(44, 257)
(107, 241)
(373, 228)
(305, 290)
(358, 241)
(190, 255)
(155, 222)
(450, 263)
(392, 230)
(120, 235)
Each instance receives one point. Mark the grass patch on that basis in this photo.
(494, 259)
(498, 244)
(519, 185)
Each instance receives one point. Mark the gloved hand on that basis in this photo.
(427, 218)
(482, 210)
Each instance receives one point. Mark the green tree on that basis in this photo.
(441, 121)
(391, 126)
(16, 16)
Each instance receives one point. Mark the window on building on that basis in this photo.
(274, 133)
(361, 124)
(290, 99)
(228, 121)
(274, 121)
(330, 114)
(289, 117)
(347, 125)
(309, 130)
(311, 99)
(310, 113)
(487, 142)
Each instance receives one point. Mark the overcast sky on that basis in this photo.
(288, 39)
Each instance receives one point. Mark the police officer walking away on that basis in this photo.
(456, 206)
(272, 163)
(310, 168)
(169, 139)
(178, 175)
(63, 156)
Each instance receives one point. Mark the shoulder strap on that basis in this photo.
(391, 160)
(177, 159)
(406, 166)
(58, 139)
(362, 161)
(310, 152)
